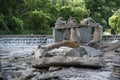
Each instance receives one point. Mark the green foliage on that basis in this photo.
(65, 12)
(76, 9)
(101, 10)
(37, 16)
(3, 25)
(15, 25)
(78, 3)
(114, 21)
(18, 24)
(80, 13)
(38, 21)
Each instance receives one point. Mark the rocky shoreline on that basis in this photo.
(19, 67)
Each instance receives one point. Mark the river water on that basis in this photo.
(21, 44)
(7, 49)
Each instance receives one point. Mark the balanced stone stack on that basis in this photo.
(116, 69)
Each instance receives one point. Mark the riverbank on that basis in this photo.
(18, 66)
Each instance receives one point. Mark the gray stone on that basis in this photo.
(74, 74)
(68, 61)
(90, 51)
(58, 52)
(6, 65)
(48, 77)
(60, 22)
(66, 34)
(75, 52)
(72, 22)
(54, 68)
(85, 33)
(57, 35)
(9, 75)
(28, 74)
(16, 78)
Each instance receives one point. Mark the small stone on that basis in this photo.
(28, 74)
(54, 68)
(86, 56)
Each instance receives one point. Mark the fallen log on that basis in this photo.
(41, 50)
(95, 62)
(68, 43)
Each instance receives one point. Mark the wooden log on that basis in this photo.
(68, 43)
(68, 61)
(40, 51)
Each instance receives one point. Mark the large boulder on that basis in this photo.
(57, 52)
(64, 51)
(92, 52)
(74, 52)
(68, 61)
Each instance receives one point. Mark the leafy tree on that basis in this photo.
(65, 12)
(10, 20)
(114, 21)
(37, 16)
(74, 8)
(38, 21)
(80, 13)
(3, 25)
(101, 10)
(15, 24)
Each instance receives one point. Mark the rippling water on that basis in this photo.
(21, 44)
(6, 49)
(16, 48)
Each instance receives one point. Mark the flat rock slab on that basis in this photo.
(94, 62)
(91, 51)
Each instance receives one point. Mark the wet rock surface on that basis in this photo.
(19, 67)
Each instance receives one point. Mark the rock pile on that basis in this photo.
(67, 59)
(116, 69)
